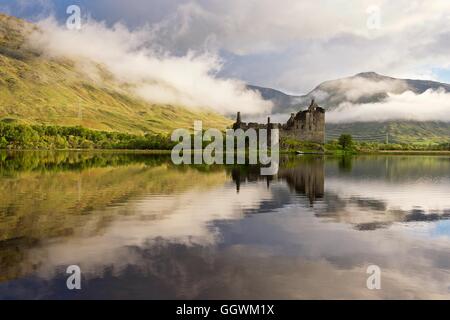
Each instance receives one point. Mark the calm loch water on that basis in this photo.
(140, 227)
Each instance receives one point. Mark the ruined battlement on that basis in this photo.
(307, 125)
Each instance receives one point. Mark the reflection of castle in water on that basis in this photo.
(305, 176)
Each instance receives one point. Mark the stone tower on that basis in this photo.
(307, 125)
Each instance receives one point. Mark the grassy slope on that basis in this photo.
(399, 131)
(37, 90)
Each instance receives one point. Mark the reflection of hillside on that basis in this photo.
(12, 162)
(377, 192)
(42, 204)
(390, 168)
(146, 229)
(304, 175)
(367, 192)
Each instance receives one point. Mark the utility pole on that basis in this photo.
(387, 137)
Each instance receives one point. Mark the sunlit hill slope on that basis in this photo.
(38, 90)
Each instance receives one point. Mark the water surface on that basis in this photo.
(141, 227)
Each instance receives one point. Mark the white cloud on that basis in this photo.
(256, 26)
(190, 80)
(304, 43)
(424, 194)
(428, 106)
(294, 45)
(181, 218)
(358, 87)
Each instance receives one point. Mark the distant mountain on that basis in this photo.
(35, 89)
(280, 100)
(366, 87)
(363, 88)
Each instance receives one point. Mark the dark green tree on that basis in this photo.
(346, 141)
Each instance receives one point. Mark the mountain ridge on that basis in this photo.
(355, 91)
(293, 102)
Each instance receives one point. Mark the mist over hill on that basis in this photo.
(363, 88)
(37, 88)
(371, 106)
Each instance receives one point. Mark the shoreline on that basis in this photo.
(91, 150)
(329, 153)
(406, 152)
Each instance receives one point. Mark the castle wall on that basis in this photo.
(308, 125)
(311, 128)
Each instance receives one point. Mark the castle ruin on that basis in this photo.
(307, 125)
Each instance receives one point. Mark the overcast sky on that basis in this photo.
(291, 45)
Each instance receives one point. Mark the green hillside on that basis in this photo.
(38, 90)
(427, 132)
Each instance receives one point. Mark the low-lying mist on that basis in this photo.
(190, 80)
(432, 105)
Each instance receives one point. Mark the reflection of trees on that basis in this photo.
(345, 163)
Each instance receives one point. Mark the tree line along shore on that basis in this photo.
(42, 137)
